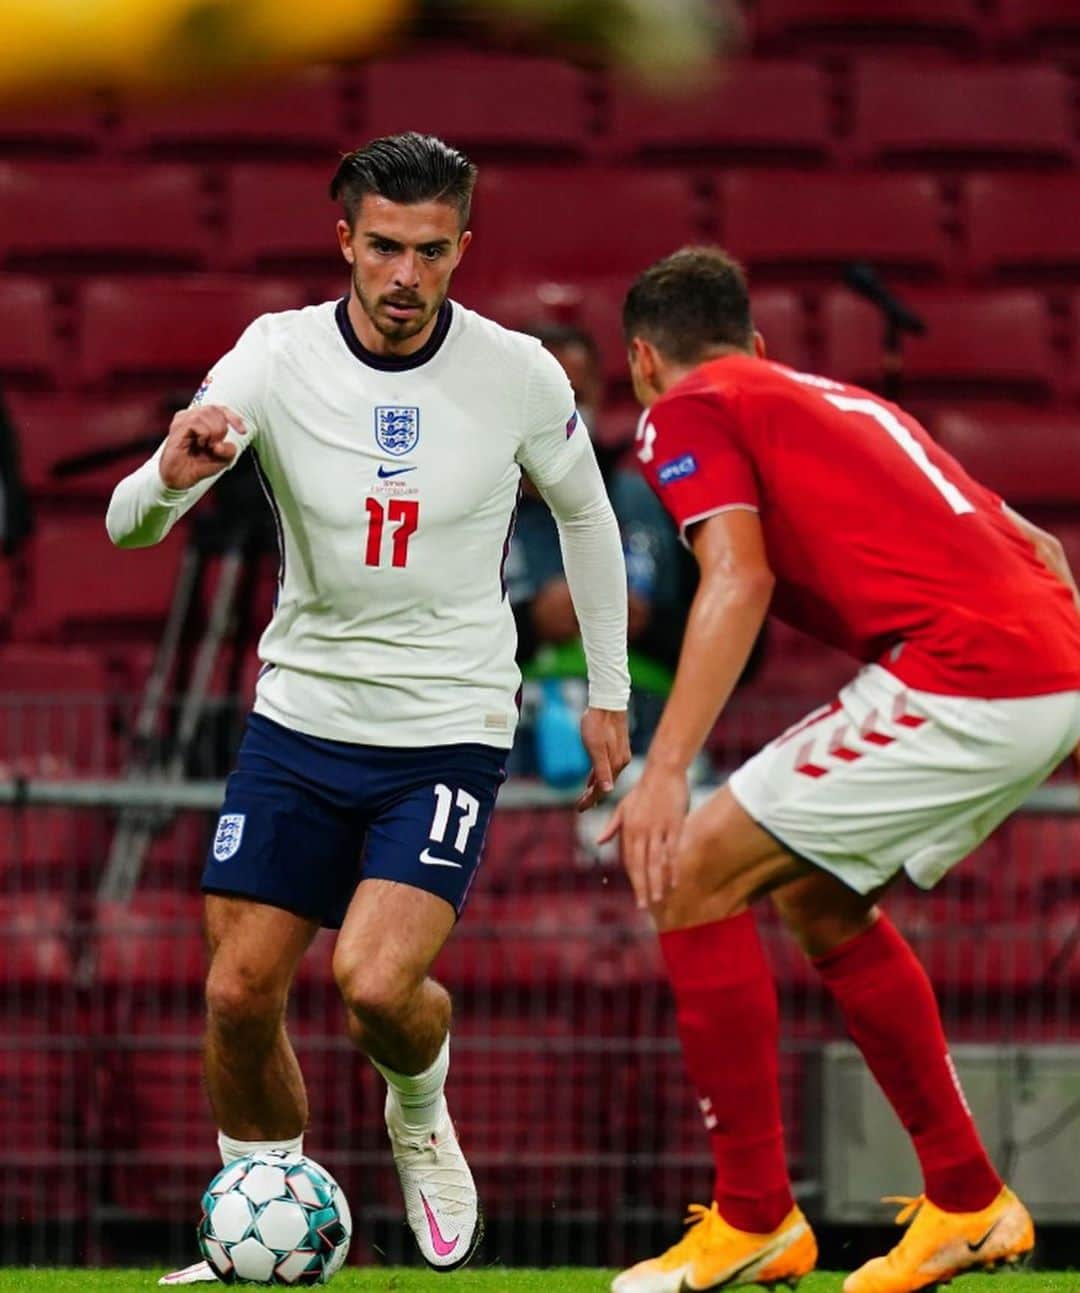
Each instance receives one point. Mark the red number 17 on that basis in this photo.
(406, 512)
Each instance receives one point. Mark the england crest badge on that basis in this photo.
(397, 428)
(230, 831)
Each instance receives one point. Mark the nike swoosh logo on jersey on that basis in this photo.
(974, 1248)
(429, 859)
(442, 1246)
(385, 472)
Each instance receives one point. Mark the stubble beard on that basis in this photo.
(391, 329)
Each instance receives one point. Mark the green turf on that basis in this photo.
(492, 1280)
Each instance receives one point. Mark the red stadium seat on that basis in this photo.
(962, 114)
(152, 942)
(30, 349)
(1027, 455)
(512, 221)
(770, 108)
(302, 115)
(126, 215)
(151, 331)
(1049, 25)
(41, 849)
(980, 344)
(282, 215)
(487, 104)
(51, 428)
(791, 222)
(85, 588)
(1023, 225)
(780, 318)
(53, 711)
(47, 129)
(954, 24)
(34, 952)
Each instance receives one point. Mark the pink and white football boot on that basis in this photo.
(440, 1195)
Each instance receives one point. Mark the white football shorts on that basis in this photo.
(886, 778)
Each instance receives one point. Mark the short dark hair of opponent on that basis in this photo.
(405, 168)
(690, 302)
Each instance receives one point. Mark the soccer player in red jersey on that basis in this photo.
(835, 510)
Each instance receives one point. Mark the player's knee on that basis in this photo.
(370, 994)
(242, 1005)
(818, 928)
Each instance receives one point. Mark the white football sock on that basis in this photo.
(419, 1096)
(231, 1149)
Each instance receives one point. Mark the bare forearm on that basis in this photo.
(724, 622)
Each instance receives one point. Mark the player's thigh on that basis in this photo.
(290, 833)
(254, 952)
(887, 779)
(391, 934)
(724, 861)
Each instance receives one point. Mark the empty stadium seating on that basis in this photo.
(1049, 25)
(976, 345)
(281, 215)
(921, 113)
(53, 719)
(794, 224)
(53, 428)
(1031, 456)
(304, 114)
(765, 109)
(123, 216)
(610, 222)
(31, 352)
(494, 106)
(152, 331)
(84, 589)
(1020, 226)
(952, 24)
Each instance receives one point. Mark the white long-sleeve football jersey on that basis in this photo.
(394, 483)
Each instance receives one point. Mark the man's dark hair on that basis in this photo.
(688, 302)
(405, 168)
(561, 336)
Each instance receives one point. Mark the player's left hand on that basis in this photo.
(650, 820)
(607, 743)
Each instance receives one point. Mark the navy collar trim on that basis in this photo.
(393, 363)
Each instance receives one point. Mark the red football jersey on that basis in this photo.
(880, 542)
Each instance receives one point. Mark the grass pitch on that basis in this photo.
(491, 1280)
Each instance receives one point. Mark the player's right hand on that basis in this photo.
(195, 447)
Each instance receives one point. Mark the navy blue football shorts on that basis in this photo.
(306, 819)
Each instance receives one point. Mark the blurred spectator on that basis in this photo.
(660, 577)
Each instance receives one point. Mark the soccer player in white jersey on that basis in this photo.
(390, 430)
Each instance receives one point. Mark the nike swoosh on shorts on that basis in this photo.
(429, 859)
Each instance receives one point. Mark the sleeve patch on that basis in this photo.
(677, 469)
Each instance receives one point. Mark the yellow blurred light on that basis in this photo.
(49, 44)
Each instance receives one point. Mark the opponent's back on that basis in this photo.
(880, 542)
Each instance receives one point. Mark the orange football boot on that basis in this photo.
(939, 1245)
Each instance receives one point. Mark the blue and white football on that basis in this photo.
(275, 1218)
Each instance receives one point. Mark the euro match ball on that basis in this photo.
(274, 1218)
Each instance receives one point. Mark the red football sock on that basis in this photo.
(892, 1015)
(729, 1026)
